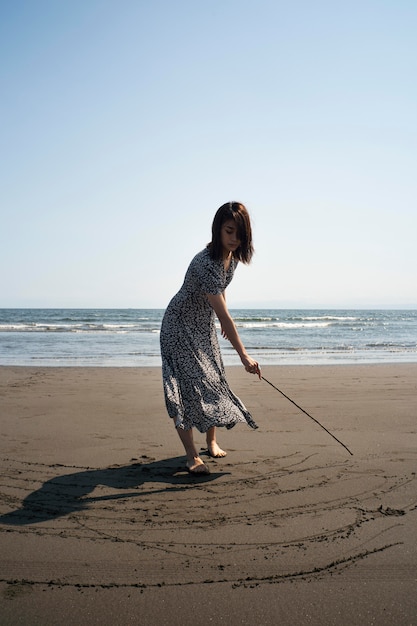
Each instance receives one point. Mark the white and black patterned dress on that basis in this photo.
(195, 387)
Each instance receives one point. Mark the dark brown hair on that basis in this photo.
(239, 214)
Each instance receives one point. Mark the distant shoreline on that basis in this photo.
(130, 337)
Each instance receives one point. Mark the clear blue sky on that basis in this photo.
(125, 124)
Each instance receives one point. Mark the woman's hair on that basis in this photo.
(239, 214)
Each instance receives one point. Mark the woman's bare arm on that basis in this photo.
(229, 331)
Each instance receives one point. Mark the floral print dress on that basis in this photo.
(195, 387)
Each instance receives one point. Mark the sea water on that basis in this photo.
(130, 337)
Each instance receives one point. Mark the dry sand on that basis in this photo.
(100, 523)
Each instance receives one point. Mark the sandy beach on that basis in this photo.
(101, 524)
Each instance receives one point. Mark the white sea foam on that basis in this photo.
(283, 325)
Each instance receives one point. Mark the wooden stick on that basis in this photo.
(308, 414)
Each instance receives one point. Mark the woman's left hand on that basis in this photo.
(251, 366)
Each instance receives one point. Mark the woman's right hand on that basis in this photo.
(251, 366)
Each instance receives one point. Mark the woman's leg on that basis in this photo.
(194, 463)
(212, 445)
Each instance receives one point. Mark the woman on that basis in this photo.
(195, 387)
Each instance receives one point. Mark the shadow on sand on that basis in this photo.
(69, 493)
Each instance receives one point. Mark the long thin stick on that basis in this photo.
(308, 414)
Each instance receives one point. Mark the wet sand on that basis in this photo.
(101, 524)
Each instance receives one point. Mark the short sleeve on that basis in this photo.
(210, 274)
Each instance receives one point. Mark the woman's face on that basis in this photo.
(229, 237)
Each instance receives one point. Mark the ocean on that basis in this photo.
(130, 337)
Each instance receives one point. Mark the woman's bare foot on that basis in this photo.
(194, 464)
(197, 466)
(215, 451)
